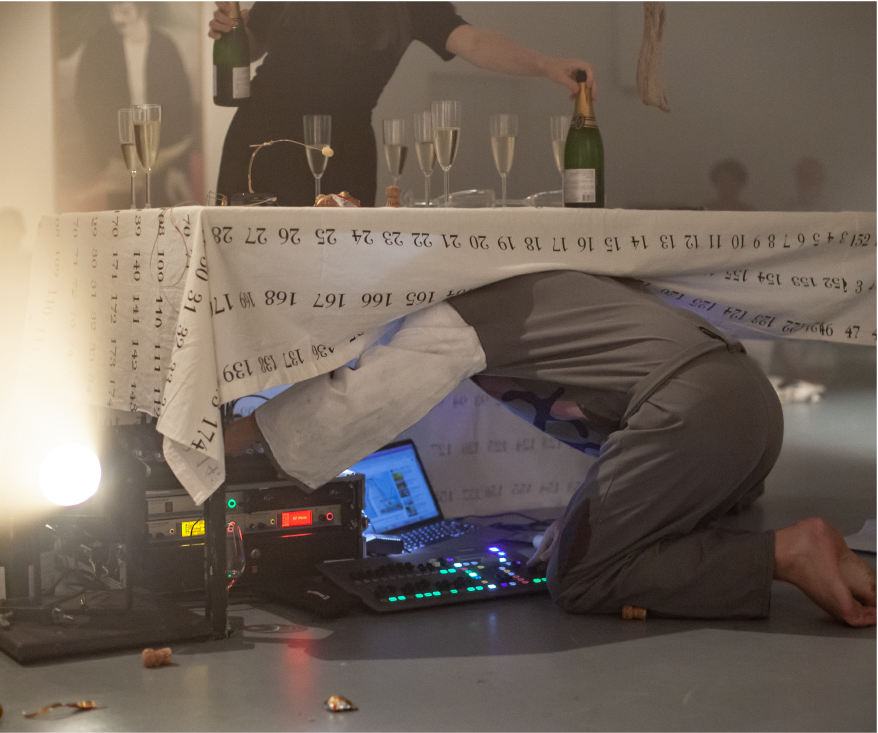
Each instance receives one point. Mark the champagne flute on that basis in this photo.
(318, 130)
(446, 135)
(425, 148)
(126, 139)
(395, 148)
(560, 125)
(504, 129)
(147, 132)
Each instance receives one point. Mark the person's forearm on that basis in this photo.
(495, 52)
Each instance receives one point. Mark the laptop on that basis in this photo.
(401, 503)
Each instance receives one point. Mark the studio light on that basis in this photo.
(70, 474)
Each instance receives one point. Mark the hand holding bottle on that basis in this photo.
(222, 21)
(563, 71)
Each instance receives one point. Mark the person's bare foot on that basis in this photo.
(813, 556)
(240, 435)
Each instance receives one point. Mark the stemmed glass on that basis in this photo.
(446, 135)
(129, 152)
(147, 133)
(395, 148)
(560, 125)
(318, 130)
(426, 149)
(504, 129)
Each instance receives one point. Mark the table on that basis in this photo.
(174, 312)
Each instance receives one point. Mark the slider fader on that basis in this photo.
(419, 580)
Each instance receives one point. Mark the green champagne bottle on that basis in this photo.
(583, 154)
(231, 64)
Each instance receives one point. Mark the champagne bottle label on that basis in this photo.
(240, 82)
(580, 186)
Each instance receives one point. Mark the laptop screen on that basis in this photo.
(397, 492)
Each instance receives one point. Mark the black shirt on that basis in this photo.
(330, 58)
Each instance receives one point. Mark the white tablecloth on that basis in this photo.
(174, 312)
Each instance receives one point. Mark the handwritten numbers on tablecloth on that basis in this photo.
(768, 278)
(329, 300)
(365, 236)
(278, 297)
(192, 300)
(585, 243)
(256, 235)
(222, 235)
(419, 298)
(325, 236)
(290, 235)
(376, 300)
(238, 370)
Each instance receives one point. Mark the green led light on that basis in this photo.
(232, 503)
(437, 593)
(442, 572)
(479, 587)
(454, 590)
(419, 595)
(536, 580)
(400, 598)
(392, 599)
(470, 588)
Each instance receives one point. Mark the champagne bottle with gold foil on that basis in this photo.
(231, 63)
(583, 154)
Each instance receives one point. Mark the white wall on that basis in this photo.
(762, 82)
(26, 155)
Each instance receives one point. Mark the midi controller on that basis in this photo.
(422, 579)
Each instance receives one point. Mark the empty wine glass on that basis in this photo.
(425, 148)
(560, 125)
(147, 133)
(236, 561)
(395, 148)
(129, 151)
(446, 135)
(318, 131)
(504, 129)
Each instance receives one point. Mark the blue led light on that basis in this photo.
(494, 549)
(492, 586)
(458, 565)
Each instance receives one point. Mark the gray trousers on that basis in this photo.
(684, 424)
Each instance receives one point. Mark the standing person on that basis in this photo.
(335, 58)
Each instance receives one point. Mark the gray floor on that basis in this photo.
(521, 664)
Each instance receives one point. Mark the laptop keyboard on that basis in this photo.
(414, 539)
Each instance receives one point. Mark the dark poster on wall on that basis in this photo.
(114, 55)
